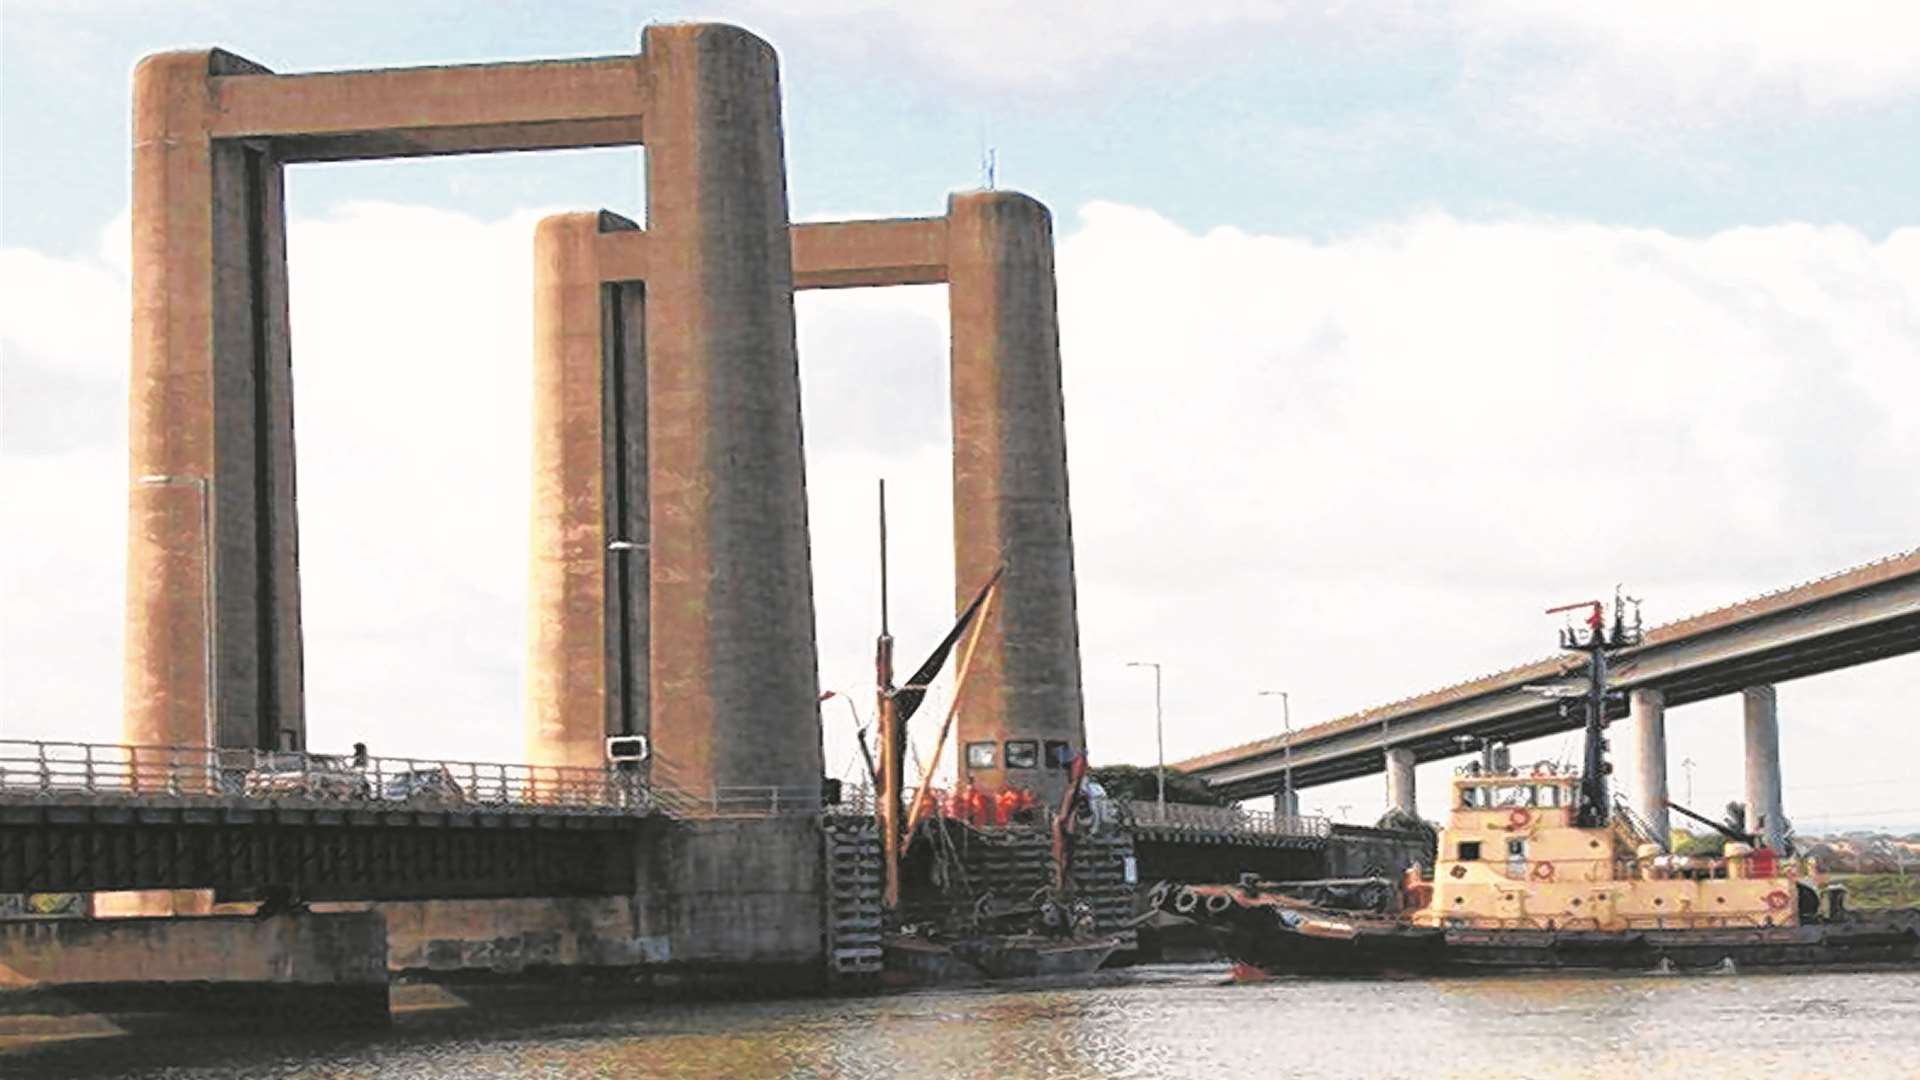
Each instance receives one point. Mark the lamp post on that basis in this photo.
(208, 642)
(1286, 751)
(1159, 733)
(1687, 764)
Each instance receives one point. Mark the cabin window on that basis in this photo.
(1023, 754)
(1513, 796)
(980, 755)
(1470, 797)
(1059, 753)
(1548, 795)
(1469, 851)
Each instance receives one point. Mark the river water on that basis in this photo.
(1147, 1022)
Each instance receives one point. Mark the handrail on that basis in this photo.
(48, 769)
(43, 770)
(1193, 817)
(1177, 817)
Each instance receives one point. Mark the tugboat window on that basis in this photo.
(1513, 796)
(1470, 797)
(1469, 851)
(980, 755)
(1059, 753)
(1023, 754)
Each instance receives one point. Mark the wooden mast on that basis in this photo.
(892, 743)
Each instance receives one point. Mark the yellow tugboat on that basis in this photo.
(1538, 867)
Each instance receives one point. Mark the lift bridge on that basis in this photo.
(247, 824)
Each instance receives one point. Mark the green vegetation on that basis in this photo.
(1874, 892)
(1139, 784)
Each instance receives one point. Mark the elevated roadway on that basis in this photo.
(1868, 613)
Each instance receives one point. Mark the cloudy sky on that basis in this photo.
(1364, 307)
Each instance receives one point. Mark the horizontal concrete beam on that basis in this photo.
(341, 115)
(866, 254)
(1876, 616)
(826, 255)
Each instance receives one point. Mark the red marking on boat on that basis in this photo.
(1247, 973)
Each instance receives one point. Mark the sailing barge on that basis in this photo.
(1054, 931)
(1537, 868)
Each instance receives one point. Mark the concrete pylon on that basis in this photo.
(734, 671)
(587, 605)
(1400, 788)
(1648, 708)
(211, 527)
(1286, 803)
(1010, 490)
(1766, 812)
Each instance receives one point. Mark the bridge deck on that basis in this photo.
(78, 817)
(1867, 613)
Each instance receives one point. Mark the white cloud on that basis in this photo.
(1008, 41)
(1351, 469)
(1567, 68)
(1644, 64)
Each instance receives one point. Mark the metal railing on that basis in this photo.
(1130, 813)
(739, 801)
(38, 770)
(1191, 817)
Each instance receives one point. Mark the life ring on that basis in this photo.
(1518, 817)
(1458, 871)
(1543, 871)
(1778, 900)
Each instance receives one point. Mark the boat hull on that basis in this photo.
(1416, 951)
(912, 961)
(1295, 939)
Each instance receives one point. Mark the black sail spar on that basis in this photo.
(907, 698)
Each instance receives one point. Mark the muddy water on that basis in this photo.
(1151, 1022)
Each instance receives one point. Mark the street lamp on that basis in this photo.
(1159, 732)
(1687, 764)
(207, 641)
(1286, 753)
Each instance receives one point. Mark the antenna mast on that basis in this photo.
(892, 741)
(1596, 640)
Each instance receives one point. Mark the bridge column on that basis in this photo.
(1400, 793)
(1649, 711)
(1010, 484)
(1286, 803)
(587, 581)
(1766, 816)
(734, 680)
(213, 604)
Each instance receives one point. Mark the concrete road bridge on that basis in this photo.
(1867, 613)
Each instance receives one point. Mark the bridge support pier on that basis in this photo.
(733, 678)
(1648, 708)
(1400, 791)
(1766, 816)
(587, 585)
(1286, 803)
(1010, 486)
